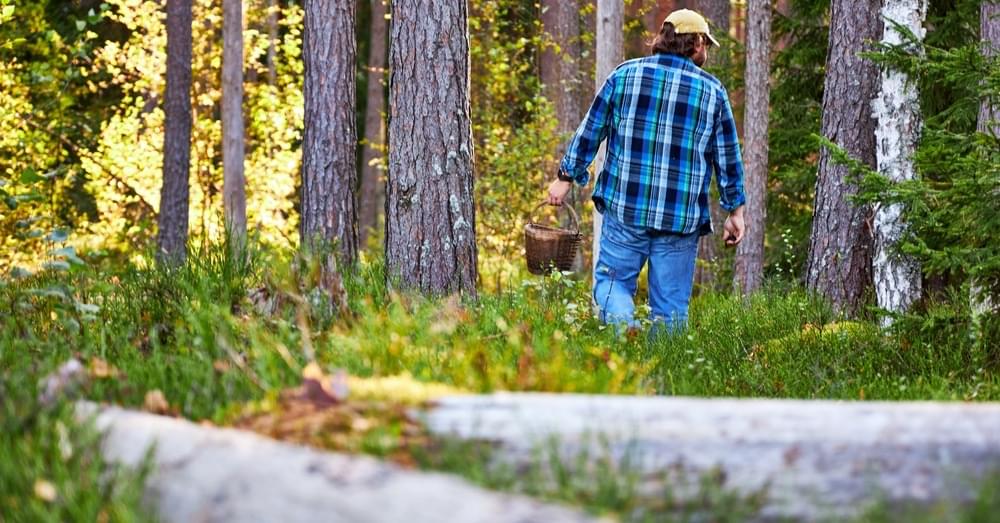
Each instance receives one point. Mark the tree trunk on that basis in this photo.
(749, 268)
(716, 11)
(610, 38)
(989, 118)
(839, 265)
(897, 109)
(372, 185)
(560, 74)
(173, 219)
(329, 137)
(657, 13)
(272, 41)
(430, 217)
(234, 184)
(709, 246)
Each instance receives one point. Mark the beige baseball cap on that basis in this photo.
(686, 21)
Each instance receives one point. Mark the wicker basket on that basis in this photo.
(547, 248)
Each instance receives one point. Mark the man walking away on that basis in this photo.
(668, 126)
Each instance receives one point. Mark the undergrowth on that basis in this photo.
(226, 331)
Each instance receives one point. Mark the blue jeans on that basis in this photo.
(624, 250)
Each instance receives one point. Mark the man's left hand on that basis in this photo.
(734, 228)
(557, 192)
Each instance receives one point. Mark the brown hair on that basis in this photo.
(669, 42)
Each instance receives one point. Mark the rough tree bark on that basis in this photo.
(657, 13)
(172, 235)
(716, 11)
(749, 269)
(329, 137)
(709, 246)
(610, 38)
(272, 41)
(233, 183)
(897, 110)
(430, 217)
(989, 116)
(560, 73)
(372, 185)
(839, 265)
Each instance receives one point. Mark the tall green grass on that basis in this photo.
(225, 330)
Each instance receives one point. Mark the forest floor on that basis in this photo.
(252, 343)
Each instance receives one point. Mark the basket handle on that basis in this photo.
(572, 214)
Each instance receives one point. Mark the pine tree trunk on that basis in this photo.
(610, 39)
(272, 41)
(658, 12)
(560, 74)
(749, 269)
(372, 185)
(989, 117)
(329, 136)
(430, 217)
(840, 247)
(234, 185)
(897, 109)
(716, 11)
(709, 246)
(173, 218)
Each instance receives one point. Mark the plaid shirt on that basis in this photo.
(668, 125)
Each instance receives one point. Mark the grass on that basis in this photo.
(224, 332)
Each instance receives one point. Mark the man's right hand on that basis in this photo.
(557, 192)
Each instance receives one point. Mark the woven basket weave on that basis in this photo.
(547, 248)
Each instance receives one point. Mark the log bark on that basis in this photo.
(610, 39)
(430, 217)
(749, 268)
(840, 248)
(897, 277)
(329, 154)
(372, 197)
(234, 196)
(172, 233)
(212, 474)
(815, 459)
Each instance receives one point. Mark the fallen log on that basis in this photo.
(209, 474)
(813, 459)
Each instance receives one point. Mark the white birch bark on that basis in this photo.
(897, 110)
(610, 52)
(988, 122)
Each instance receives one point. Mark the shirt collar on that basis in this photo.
(674, 60)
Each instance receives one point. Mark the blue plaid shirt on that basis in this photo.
(668, 125)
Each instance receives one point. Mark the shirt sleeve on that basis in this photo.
(587, 139)
(727, 160)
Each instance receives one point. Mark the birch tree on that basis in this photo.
(371, 199)
(897, 110)
(839, 265)
(749, 269)
(233, 183)
(430, 217)
(988, 121)
(172, 233)
(610, 39)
